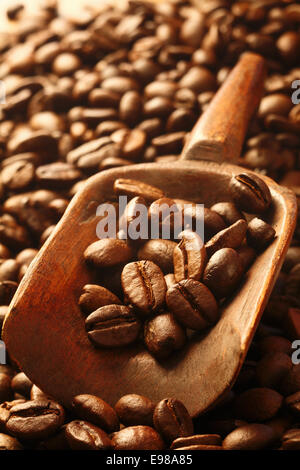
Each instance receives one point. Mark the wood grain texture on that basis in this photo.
(219, 134)
(44, 331)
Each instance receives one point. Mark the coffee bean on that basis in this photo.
(272, 368)
(198, 79)
(130, 107)
(250, 193)
(17, 175)
(108, 252)
(96, 411)
(112, 326)
(9, 443)
(137, 438)
(21, 384)
(82, 435)
(134, 188)
(94, 297)
(159, 252)
(230, 237)
(258, 404)
(189, 257)
(291, 439)
(172, 420)
(9, 270)
(144, 286)
(228, 211)
(259, 234)
(276, 103)
(163, 335)
(37, 394)
(197, 440)
(192, 304)
(250, 437)
(58, 175)
(223, 272)
(134, 410)
(7, 291)
(35, 419)
(293, 403)
(288, 46)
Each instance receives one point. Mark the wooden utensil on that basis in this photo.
(44, 331)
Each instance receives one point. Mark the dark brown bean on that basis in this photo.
(163, 335)
(258, 404)
(159, 252)
(82, 435)
(230, 237)
(172, 420)
(134, 410)
(112, 326)
(228, 211)
(96, 411)
(134, 188)
(192, 303)
(108, 252)
(9, 443)
(197, 440)
(144, 286)
(21, 384)
(291, 439)
(223, 272)
(137, 438)
(250, 193)
(35, 419)
(259, 234)
(94, 297)
(189, 257)
(250, 437)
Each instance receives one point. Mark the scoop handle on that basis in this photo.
(220, 131)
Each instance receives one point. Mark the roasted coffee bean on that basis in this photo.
(94, 297)
(35, 419)
(159, 252)
(250, 193)
(258, 404)
(259, 234)
(130, 107)
(137, 438)
(223, 272)
(56, 442)
(228, 211)
(189, 257)
(9, 443)
(112, 326)
(66, 64)
(134, 188)
(82, 435)
(7, 291)
(272, 368)
(192, 304)
(96, 411)
(172, 420)
(293, 403)
(291, 439)
(230, 237)
(9, 269)
(5, 408)
(144, 286)
(12, 234)
(18, 175)
(250, 437)
(21, 384)
(134, 410)
(108, 252)
(276, 103)
(58, 175)
(163, 335)
(197, 440)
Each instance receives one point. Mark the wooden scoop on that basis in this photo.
(44, 331)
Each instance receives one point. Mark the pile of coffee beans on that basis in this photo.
(112, 87)
(171, 285)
